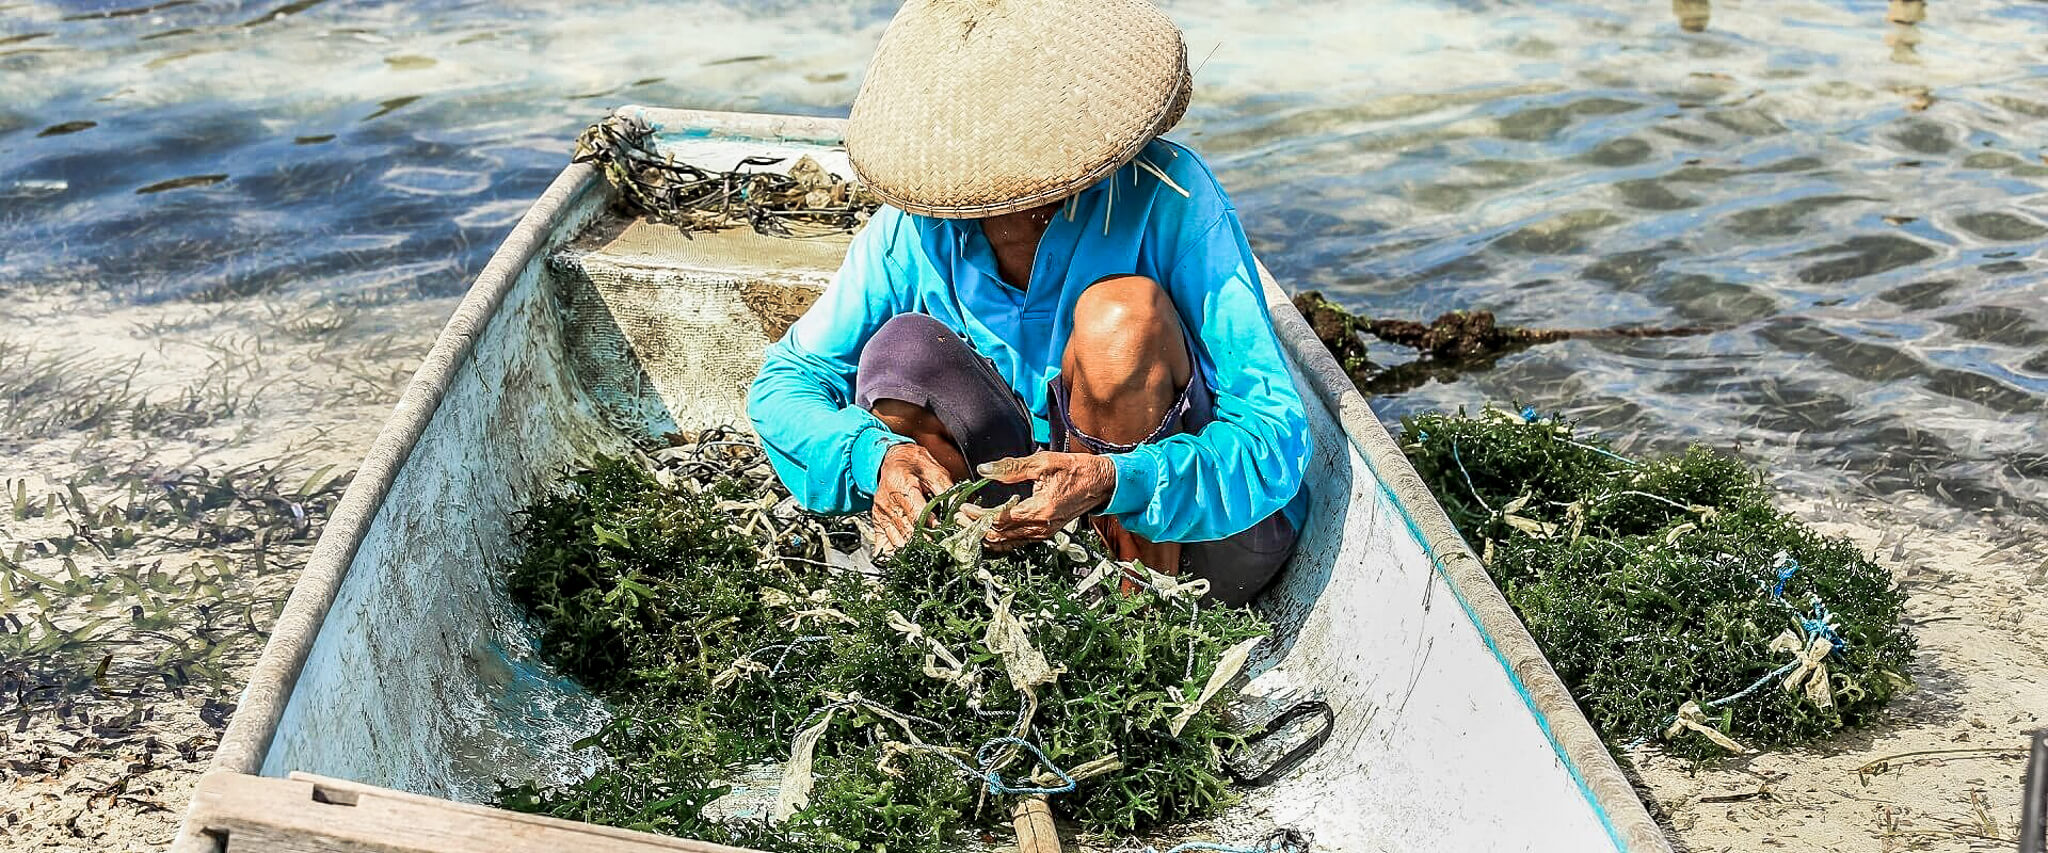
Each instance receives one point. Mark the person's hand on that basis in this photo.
(1063, 486)
(910, 478)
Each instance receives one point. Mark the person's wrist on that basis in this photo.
(898, 453)
(870, 453)
(1102, 483)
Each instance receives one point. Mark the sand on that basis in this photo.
(106, 761)
(252, 414)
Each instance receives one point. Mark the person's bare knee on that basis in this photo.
(1126, 360)
(1126, 363)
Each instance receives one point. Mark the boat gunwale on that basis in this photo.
(249, 734)
(1577, 745)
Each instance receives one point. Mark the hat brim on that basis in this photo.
(977, 108)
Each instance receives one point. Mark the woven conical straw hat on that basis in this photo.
(975, 108)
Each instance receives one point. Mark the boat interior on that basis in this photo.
(609, 330)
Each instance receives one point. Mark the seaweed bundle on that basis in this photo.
(807, 202)
(907, 704)
(1670, 595)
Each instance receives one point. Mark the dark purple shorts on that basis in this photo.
(916, 359)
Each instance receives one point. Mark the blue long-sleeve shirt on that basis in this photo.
(1192, 487)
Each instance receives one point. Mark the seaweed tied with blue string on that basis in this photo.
(730, 633)
(1669, 593)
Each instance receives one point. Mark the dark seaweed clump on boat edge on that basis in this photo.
(803, 200)
(726, 628)
(1675, 601)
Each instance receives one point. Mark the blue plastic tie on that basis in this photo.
(1468, 476)
(1787, 566)
(1816, 625)
(994, 780)
(996, 785)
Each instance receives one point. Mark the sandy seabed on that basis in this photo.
(166, 470)
(147, 545)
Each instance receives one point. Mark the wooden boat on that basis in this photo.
(402, 677)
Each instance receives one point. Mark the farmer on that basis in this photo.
(1053, 298)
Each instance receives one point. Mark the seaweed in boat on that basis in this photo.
(909, 704)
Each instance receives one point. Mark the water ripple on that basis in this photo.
(1854, 203)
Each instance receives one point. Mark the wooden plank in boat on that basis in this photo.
(314, 814)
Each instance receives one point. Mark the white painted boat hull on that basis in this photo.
(399, 661)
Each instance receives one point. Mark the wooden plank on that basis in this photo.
(310, 814)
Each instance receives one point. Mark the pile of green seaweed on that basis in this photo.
(907, 705)
(1675, 601)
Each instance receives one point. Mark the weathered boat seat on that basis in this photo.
(668, 329)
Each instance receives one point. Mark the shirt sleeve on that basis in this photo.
(1249, 462)
(827, 450)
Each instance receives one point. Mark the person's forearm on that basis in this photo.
(827, 453)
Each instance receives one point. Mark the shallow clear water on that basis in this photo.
(1856, 202)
